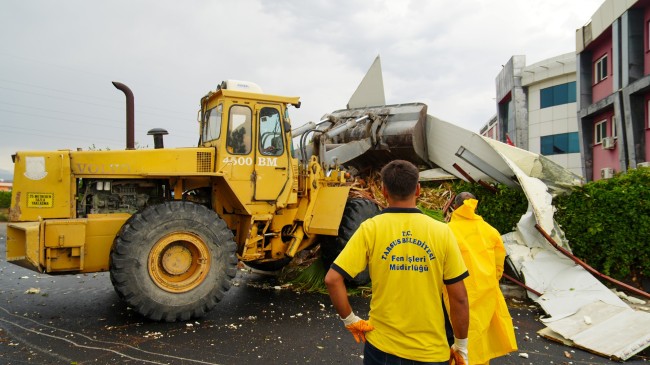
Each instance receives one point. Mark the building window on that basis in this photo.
(600, 69)
(558, 144)
(557, 95)
(614, 130)
(600, 131)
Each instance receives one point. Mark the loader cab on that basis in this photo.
(250, 132)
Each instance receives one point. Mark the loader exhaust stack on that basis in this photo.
(130, 119)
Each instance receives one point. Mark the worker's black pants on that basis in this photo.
(374, 356)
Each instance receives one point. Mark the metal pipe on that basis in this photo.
(340, 129)
(362, 118)
(302, 129)
(130, 119)
(488, 186)
(464, 173)
(522, 285)
(157, 134)
(587, 267)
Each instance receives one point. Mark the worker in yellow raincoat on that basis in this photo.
(491, 333)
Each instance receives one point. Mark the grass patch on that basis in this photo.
(433, 213)
(311, 279)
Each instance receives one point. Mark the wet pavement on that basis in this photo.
(79, 319)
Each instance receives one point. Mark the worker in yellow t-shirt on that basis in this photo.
(491, 333)
(410, 258)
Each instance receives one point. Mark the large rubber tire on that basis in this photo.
(356, 212)
(173, 261)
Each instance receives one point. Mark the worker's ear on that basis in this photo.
(417, 190)
(384, 191)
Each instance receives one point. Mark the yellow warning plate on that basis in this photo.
(40, 200)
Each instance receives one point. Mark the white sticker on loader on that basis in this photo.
(35, 168)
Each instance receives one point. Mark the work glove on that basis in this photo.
(458, 354)
(357, 326)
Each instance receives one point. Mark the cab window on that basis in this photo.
(212, 123)
(239, 130)
(270, 141)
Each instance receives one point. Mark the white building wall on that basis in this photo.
(553, 120)
(540, 122)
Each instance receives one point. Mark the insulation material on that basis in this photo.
(436, 174)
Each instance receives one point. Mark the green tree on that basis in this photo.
(607, 223)
(5, 199)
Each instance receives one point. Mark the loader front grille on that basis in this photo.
(203, 162)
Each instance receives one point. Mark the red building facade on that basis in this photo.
(613, 85)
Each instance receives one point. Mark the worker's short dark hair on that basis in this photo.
(400, 178)
(460, 198)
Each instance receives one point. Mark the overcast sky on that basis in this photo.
(58, 58)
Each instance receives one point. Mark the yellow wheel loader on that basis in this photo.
(171, 224)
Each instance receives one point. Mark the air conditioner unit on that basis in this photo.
(606, 172)
(608, 143)
(643, 164)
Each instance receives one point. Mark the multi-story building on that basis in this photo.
(5, 186)
(536, 109)
(613, 85)
(491, 129)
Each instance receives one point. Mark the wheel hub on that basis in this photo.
(179, 262)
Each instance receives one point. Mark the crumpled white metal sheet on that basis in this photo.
(566, 287)
(569, 292)
(612, 331)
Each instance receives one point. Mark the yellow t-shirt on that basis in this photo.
(410, 257)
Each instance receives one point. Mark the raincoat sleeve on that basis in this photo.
(499, 253)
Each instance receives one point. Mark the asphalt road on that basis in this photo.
(79, 319)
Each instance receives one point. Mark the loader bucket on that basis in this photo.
(370, 137)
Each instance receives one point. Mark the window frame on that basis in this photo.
(602, 128)
(276, 135)
(560, 94)
(559, 144)
(247, 132)
(218, 110)
(648, 114)
(600, 69)
(614, 128)
(647, 27)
